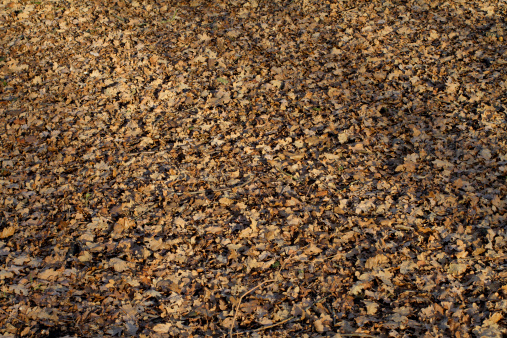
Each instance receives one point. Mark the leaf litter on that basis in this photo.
(263, 168)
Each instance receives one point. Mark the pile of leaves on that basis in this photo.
(263, 168)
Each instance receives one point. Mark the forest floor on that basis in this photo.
(253, 168)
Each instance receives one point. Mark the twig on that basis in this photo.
(347, 10)
(239, 303)
(283, 321)
(286, 173)
(119, 18)
(231, 333)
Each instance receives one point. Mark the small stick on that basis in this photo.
(283, 321)
(286, 173)
(239, 303)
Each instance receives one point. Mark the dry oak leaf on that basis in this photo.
(452, 87)
(332, 157)
(495, 318)
(407, 266)
(8, 232)
(371, 307)
(276, 83)
(343, 137)
(214, 230)
(119, 265)
(19, 289)
(122, 225)
(85, 256)
(313, 250)
(407, 166)
(365, 206)
(179, 222)
(358, 147)
(162, 328)
(489, 331)
(21, 259)
(225, 201)
(456, 269)
(5, 274)
(332, 92)
(486, 154)
(49, 274)
(497, 202)
(376, 261)
(443, 164)
(324, 323)
(294, 220)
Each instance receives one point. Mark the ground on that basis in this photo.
(253, 168)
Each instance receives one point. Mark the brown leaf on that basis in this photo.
(49, 274)
(376, 261)
(8, 232)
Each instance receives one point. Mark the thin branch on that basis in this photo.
(239, 303)
(283, 321)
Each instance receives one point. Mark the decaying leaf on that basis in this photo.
(457, 269)
(196, 168)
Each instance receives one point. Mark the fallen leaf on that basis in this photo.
(8, 232)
